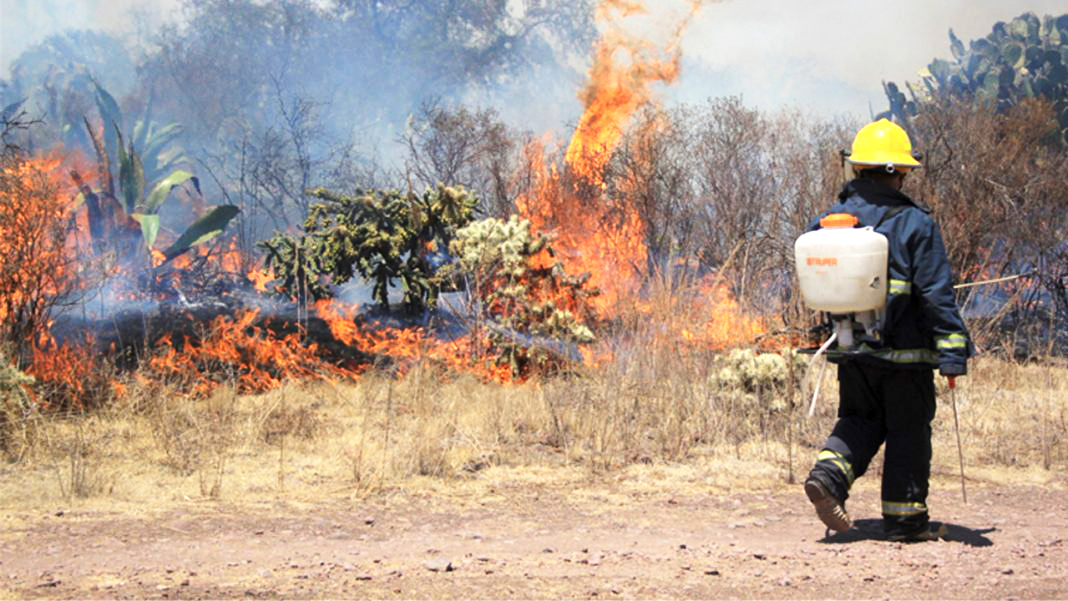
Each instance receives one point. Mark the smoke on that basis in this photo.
(828, 56)
(24, 23)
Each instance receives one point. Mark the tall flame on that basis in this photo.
(625, 67)
(596, 233)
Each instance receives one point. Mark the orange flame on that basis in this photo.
(597, 234)
(409, 344)
(260, 278)
(620, 82)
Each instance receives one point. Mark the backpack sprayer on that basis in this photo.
(843, 271)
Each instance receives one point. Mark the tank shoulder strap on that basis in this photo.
(890, 214)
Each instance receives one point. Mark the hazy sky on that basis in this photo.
(825, 56)
(829, 56)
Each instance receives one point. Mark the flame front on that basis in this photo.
(595, 225)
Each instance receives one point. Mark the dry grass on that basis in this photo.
(649, 421)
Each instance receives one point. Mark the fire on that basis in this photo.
(595, 225)
(236, 348)
(727, 324)
(409, 344)
(599, 230)
(625, 67)
(260, 278)
(597, 233)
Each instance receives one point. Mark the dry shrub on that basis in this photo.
(464, 147)
(79, 447)
(297, 422)
(16, 409)
(37, 272)
(996, 184)
(196, 437)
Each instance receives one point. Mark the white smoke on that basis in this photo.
(828, 56)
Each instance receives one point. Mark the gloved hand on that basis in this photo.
(953, 369)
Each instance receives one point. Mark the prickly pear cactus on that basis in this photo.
(385, 237)
(531, 307)
(1024, 58)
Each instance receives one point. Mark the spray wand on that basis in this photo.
(956, 427)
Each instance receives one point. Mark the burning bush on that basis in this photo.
(37, 271)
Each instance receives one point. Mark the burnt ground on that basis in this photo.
(539, 542)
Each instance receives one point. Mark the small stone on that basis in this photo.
(1007, 571)
(548, 550)
(759, 556)
(682, 546)
(369, 520)
(785, 582)
(711, 572)
(439, 564)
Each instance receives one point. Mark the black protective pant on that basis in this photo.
(878, 404)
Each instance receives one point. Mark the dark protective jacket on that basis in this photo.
(922, 327)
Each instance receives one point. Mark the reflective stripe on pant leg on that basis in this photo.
(898, 509)
(839, 462)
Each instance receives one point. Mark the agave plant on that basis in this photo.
(157, 145)
(124, 225)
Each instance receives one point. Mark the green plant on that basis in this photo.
(531, 308)
(1024, 58)
(382, 236)
(136, 218)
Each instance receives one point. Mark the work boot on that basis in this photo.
(930, 532)
(830, 511)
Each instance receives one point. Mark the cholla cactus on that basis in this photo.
(383, 236)
(530, 303)
(764, 374)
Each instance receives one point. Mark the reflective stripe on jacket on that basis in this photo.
(922, 326)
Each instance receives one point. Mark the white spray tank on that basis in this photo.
(843, 271)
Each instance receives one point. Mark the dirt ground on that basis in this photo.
(536, 541)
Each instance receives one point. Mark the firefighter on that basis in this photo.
(886, 383)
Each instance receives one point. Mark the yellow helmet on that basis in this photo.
(882, 144)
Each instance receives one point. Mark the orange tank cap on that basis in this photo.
(839, 220)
